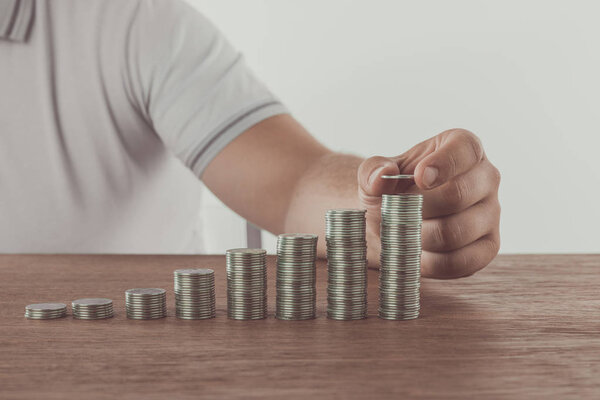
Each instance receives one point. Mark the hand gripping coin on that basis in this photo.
(461, 211)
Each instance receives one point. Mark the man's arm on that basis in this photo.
(279, 177)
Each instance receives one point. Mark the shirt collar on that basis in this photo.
(15, 19)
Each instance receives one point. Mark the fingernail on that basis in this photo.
(375, 174)
(429, 176)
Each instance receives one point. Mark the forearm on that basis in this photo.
(279, 177)
(329, 183)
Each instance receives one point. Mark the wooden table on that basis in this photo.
(525, 327)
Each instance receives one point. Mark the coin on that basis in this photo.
(246, 283)
(401, 176)
(45, 310)
(194, 293)
(400, 270)
(92, 308)
(146, 303)
(296, 276)
(345, 235)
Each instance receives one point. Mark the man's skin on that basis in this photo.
(279, 177)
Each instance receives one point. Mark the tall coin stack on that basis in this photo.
(93, 308)
(400, 272)
(45, 311)
(296, 276)
(246, 283)
(146, 303)
(194, 293)
(346, 264)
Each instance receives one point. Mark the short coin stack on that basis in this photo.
(194, 293)
(346, 264)
(94, 308)
(399, 276)
(146, 303)
(296, 276)
(246, 284)
(45, 311)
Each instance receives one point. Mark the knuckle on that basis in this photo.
(490, 245)
(461, 263)
(458, 132)
(457, 194)
(378, 160)
(496, 176)
(470, 140)
(437, 234)
(492, 210)
(367, 167)
(494, 245)
(475, 144)
(447, 235)
(452, 163)
(496, 209)
(369, 164)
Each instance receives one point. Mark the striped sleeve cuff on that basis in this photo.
(231, 129)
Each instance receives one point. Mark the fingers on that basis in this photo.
(369, 176)
(461, 212)
(461, 262)
(458, 230)
(461, 192)
(457, 152)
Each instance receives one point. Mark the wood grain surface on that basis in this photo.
(525, 327)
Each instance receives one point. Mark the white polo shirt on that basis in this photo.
(109, 112)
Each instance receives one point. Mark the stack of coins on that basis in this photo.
(45, 311)
(399, 276)
(296, 276)
(246, 283)
(346, 264)
(92, 308)
(146, 303)
(195, 293)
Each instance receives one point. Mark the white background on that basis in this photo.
(376, 77)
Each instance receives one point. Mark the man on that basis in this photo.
(102, 102)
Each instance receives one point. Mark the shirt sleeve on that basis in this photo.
(197, 92)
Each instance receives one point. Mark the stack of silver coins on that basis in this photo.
(45, 311)
(93, 308)
(296, 276)
(194, 293)
(400, 272)
(246, 283)
(346, 264)
(146, 303)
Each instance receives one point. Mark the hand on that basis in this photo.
(461, 212)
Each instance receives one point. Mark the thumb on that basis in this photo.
(370, 171)
(456, 151)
